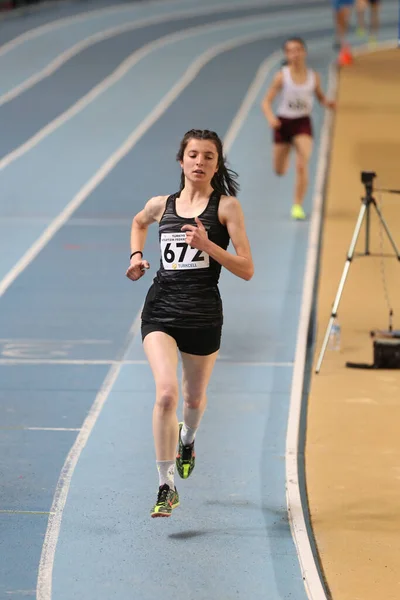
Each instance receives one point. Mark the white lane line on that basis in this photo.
(51, 429)
(311, 577)
(123, 69)
(112, 32)
(104, 221)
(21, 428)
(190, 74)
(88, 362)
(44, 583)
(85, 342)
(20, 349)
(10, 511)
(66, 361)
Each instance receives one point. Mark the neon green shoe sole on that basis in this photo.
(185, 458)
(297, 212)
(167, 500)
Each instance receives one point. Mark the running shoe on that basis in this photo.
(167, 500)
(185, 458)
(298, 212)
(345, 57)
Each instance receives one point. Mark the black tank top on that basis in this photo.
(185, 289)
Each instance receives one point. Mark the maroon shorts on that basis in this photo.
(292, 127)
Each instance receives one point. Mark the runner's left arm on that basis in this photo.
(323, 100)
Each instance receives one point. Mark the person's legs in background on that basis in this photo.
(342, 14)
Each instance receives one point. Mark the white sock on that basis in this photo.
(187, 435)
(166, 472)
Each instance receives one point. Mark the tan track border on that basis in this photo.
(353, 422)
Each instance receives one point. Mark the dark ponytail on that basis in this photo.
(225, 180)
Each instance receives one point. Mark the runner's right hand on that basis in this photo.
(275, 123)
(137, 268)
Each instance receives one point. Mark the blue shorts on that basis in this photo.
(339, 4)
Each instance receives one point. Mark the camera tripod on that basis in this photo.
(365, 212)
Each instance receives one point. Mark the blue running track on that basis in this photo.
(94, 99)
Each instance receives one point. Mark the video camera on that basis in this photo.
(367, 177)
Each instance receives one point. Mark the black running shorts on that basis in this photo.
(201, 342)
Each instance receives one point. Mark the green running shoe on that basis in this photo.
(298, 212)
(185, 458)
(167, 500)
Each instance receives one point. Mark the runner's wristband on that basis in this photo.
(137, 252)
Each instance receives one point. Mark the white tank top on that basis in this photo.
(297, 99)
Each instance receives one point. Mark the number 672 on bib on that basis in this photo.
(177, 254)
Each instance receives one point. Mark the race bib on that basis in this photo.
(177, 254)
(298, 104)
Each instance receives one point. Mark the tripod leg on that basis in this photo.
(386, 228)
(341, 285)
(367, 228)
